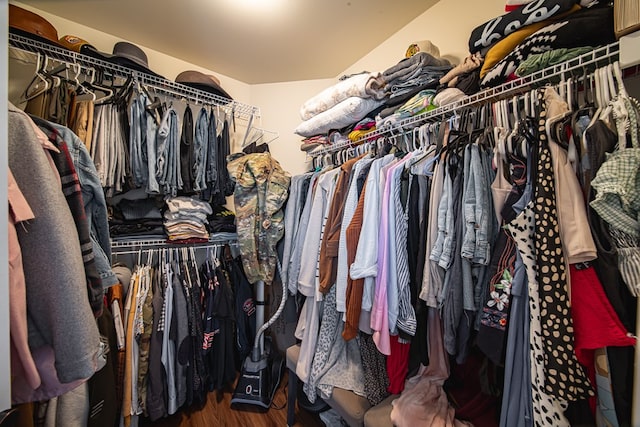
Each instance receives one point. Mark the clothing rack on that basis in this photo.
(133, 246)
(159, 84)
(559, 72)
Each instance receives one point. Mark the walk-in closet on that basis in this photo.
(364, 213)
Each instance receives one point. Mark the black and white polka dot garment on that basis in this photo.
(547, 411)
(565, 378)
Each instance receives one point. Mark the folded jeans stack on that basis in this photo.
(421, 70)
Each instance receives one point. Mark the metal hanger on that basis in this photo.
(40, 83)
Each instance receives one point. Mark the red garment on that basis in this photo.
(512, 7)
(511, 77)
(595, 323)
(397, 365)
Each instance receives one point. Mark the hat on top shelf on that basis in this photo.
(124, 53)
(130, 55)
(77, 44)
(28, 24)
(422, 46)
(205, 82)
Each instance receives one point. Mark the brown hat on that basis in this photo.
(205, 82)
(29, 24)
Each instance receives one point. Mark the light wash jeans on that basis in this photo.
(167, 159)
(99, 143)
(475, 244)
(200, 150)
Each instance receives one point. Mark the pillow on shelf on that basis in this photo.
(365, 85)
(345, 113)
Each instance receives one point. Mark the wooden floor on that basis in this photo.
(217, 412)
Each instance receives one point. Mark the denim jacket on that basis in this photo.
(95, 205)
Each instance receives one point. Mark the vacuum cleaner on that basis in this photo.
(262, 369)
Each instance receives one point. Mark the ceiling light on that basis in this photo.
(257, 5)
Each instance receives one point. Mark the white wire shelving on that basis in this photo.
(579, 65)
(137, 244)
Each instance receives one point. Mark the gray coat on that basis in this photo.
(58, 311)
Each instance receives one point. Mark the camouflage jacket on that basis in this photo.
(261, 189)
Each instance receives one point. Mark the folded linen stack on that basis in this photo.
(185, 218)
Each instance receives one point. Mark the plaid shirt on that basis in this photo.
(73, 194)
(617, 182)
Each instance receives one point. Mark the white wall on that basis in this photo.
(280, 106)
(447, 24)
(5, 378)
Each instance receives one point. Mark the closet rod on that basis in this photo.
(591, 60)
(165, 247)
(242, 111)
(134, 245)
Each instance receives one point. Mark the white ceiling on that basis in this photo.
(254, 41)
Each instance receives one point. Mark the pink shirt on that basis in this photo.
(21, 359)
(380, 309)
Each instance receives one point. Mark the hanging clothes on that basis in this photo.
(95, 205)
(298, 190)
(139, 145)
(22, 361)
(494, 318)
(168, 158)
(73, 194)
(187, 155)
(351, 202)
(109, 146)
(62, 304)
(308, 279)
(331, 237)
(156, 402)
(81, 121)
(354, 287)
(201, 150)
(219, 306)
